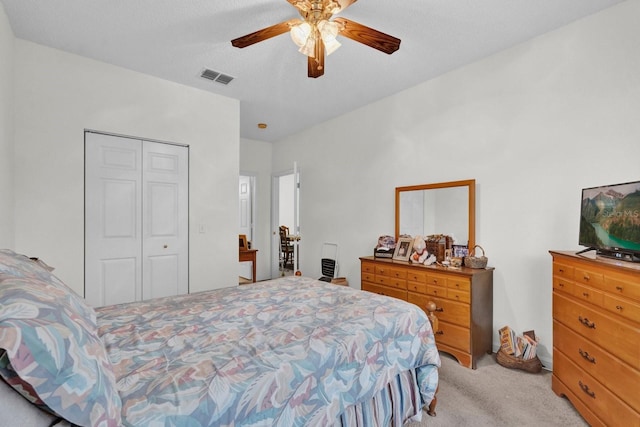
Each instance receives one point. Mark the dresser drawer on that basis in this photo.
(368, 267)
(588, 294)
(446, 311)
(563, 270)
(452, 312)
(592, 393)
(624, 307)
(561, 284)
(398, 273)
(383, 290)
(391, 281)
(436, 280)
(459, 284)
(420, 288)
(460, 296)
(417, 276)
(618, 337)
(588, 277)
(453, 335)
(620, 378)
(622, 286)
(368, 277)
(437, 291)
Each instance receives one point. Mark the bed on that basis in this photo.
(288, 352)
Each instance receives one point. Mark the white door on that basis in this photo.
(113, 232)
(245, 192)
(136, 203)
(165, 244)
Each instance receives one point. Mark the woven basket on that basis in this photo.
(508, 361)
(476, 261)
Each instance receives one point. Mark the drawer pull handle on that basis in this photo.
(619, 307)
(561, 285)
(585, 388)
(586, 278)
(561, 270)
(585, 355)
(586, 322)
(619, 288)
(440, 309)
(585, 294)
(439, 332)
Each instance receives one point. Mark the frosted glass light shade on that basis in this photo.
(309, 48)
(300, 33)
(328, 32)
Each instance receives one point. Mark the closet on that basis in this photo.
(136, 219)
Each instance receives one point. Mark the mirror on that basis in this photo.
(442, 208)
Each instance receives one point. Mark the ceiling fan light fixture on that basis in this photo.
(300, 33)
(329, 32)
(309, 48)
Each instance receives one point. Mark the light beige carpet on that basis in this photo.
(493, 395)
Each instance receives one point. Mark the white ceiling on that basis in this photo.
(176, 39)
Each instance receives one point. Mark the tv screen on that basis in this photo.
(610, 220)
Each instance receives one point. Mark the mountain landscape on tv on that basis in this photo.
(611, 219)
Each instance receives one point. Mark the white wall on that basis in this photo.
(6, 132)
(58, 96)
(532, 124)
(255, 159)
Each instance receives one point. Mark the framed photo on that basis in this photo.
(243, 242)
(403, 249)
(460, 251)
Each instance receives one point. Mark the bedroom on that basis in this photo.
(530, 124)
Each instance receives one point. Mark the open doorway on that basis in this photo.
(285, 196)
(246, 223)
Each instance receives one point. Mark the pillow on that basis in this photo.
(56, 351)
(13, 265)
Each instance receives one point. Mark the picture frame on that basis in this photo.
(460, 251)
(242, 241)
(403, 249)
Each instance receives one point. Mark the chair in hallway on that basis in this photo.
(286, 248)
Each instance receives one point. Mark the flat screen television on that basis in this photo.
(610, 220)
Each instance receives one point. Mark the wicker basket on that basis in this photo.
(476, 261)
(508, 361)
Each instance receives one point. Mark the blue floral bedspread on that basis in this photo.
(292, 351)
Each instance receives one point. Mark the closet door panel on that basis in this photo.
(165, 220)
(113, 233)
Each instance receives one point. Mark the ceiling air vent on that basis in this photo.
(216, 76)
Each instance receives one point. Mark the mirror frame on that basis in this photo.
(471, 187)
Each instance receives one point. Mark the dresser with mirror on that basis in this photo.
(463, 296)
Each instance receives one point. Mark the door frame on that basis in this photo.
(275, 217)
(253, 211)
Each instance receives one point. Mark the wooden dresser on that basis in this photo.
(463, 297)
(596, 337)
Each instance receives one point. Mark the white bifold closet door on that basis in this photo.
(136, 219)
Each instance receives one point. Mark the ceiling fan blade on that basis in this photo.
(315, 66)
(365, 35)
(264, 34)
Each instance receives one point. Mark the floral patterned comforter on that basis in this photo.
(292, 351)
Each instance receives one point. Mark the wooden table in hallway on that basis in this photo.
(249, 255)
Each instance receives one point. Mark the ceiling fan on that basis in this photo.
(315, 34)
